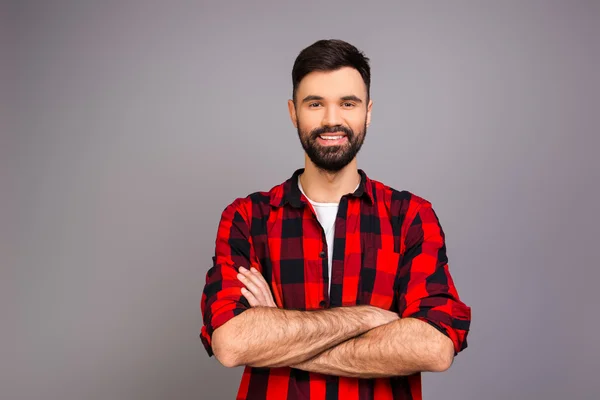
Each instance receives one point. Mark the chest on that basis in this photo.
(366, 250)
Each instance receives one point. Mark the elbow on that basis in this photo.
(441, 365)
(223, 350)
(228, 362)
(227, 359)
(445, 357)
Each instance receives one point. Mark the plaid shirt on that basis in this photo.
(389, 252)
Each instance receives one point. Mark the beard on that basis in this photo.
(332, 158)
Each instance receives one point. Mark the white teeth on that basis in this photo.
(331, 137)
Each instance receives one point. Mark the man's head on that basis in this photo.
(331, 106)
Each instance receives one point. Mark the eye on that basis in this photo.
(347, 104)
(313, 105)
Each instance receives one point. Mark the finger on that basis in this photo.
(262, 285)
(256, 273)
(257, 279)
(263, 295)
(268, 296)
(251, 286)
(260, 281)
(250, 275)
(250, 297)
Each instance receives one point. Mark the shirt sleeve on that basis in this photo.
(222, 298)
(425, 289)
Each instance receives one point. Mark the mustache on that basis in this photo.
(331, 129)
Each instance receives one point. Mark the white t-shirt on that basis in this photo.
(326, 214)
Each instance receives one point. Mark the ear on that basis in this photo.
(369, 112)
(292, 111)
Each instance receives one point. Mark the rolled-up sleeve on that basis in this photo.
(425, 287)
(222, 298)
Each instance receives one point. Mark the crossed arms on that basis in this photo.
(243, 328)
(361, 341)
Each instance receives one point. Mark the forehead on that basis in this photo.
(341, 82)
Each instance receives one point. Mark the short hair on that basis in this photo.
(330, 55)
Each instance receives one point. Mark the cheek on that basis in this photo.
(308, 121)
(357, 124)
(355, 117)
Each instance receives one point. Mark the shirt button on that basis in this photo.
(322, 254)
(322, 303)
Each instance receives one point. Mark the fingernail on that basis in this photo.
(243, 269)
(253, 269)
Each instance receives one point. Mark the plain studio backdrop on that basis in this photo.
(127, 127)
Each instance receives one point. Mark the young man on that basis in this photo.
(332, 285)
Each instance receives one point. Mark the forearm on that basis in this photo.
(402, 347)
(271, 337)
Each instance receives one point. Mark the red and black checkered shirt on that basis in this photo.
(389, 251)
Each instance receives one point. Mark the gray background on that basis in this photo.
(127, 127)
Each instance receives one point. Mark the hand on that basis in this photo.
(257, 290)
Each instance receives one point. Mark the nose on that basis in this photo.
(332, 117)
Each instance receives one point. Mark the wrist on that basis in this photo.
(371, 317)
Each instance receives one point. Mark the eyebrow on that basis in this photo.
(313, 97)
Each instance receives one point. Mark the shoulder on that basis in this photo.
(411, 214)
(253, 205)
(400, 202)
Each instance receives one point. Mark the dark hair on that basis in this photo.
(330, 55)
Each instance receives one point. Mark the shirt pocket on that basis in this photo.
(378, 277)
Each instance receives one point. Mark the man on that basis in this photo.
(332, 285)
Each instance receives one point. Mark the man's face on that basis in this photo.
(331, 115)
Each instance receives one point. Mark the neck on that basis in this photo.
(328, 187)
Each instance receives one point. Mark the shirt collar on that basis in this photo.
(289, 192)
